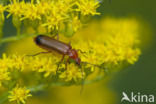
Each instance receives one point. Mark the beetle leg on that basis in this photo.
(39, 53)
(60, 62)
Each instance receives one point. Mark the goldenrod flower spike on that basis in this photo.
(19, 94)
(2, 9)
(16, 8)
(4, 75)
(52, 14)
(31, 12)
(2, 19)
(72, 73)
(88, 7)
(76, 23)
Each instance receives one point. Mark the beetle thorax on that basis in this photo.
(73, 53)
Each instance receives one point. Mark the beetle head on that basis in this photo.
(78, 61)
(74, 55)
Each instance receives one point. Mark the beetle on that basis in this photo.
(51, 44)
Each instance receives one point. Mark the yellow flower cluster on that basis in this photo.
(4, 73)
(19, 95)
(51, 14)
(91, 6)
(46, 65)
(2, 9)
(2, 18)
(117, 41)
(108, 43)
(24, 63)
(72, 73)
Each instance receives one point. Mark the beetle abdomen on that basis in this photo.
(51, 44)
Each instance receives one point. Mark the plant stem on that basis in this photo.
(14, 38)
(3, 98)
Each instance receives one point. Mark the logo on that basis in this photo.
(137, 98)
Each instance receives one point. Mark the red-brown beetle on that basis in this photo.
(51, 44)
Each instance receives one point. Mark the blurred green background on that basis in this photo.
(141, 77)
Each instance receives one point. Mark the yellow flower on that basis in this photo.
(53, 15)
(2, 9)
(18, 62)
(4, 75)
(23, 63)
(4, 72)
(30, 11)
(88, 7)
(15, 8)
(132, 55)
(53, 21)
(49, 66)
(56, 16)
(2, 18)
(19, 95)
(44, 7)
(63, 7)
(76, 23)
(115, 43)
(72, 73)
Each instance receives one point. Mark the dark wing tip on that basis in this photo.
(38, 38)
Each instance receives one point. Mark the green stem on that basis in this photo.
(18, 32)
(1, 33)
(4, 98)
(15, 38)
